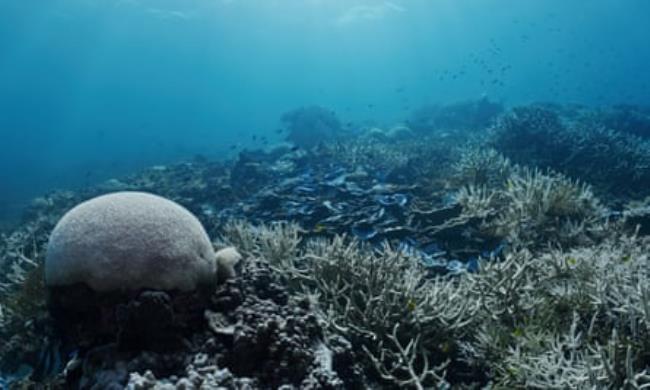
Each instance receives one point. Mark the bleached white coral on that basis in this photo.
(115, 241)
(276, 243)
(480, 166)
(556, 318)
(533, 207)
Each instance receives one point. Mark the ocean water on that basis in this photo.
(90, 90)
(384, 194)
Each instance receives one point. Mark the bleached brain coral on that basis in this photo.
(127, 241)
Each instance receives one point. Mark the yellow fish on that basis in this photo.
(518, 332)
(319, 228)
(411, 305)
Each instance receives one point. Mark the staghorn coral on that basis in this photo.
(535, 208)
(277, 243)
(626, 118)
(376, 299)
(479, 166)
(478, 201)
(368, 152)
(427, 158)
(472, 115)
(543, 207)
(616, 163)
(554, 319)
(565, 319)
(636, 216)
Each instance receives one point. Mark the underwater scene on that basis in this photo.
(324, 194)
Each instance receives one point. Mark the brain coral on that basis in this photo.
(128, 241)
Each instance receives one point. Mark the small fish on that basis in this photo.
(518, 332)
(319, 228)
(254, 137)
(411, 305)
(233, 147)
(571, 261)
(279, 131)
(626, 258)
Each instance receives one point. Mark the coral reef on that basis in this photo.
(502, 258)
(309, 126)
(478, 166)
(574, 319)
(629, 119)
(533, 208)
(466, 115)
(614, 162)
(253, 333)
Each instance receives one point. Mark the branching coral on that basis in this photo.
(368, 152)
(404, 325)
(478, 201)
(533, 207)
(22, 290)
(584, 147)
(528, 338)
(276, 243)
(22, 308)
(554, 320)
(397, 161)
(472, 115)
(541, 206)
(479, 166)
(380, 301)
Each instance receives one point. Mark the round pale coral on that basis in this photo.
(127, 241)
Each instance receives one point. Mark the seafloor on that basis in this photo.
(470, 247)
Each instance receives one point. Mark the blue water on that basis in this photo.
(90, 89)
